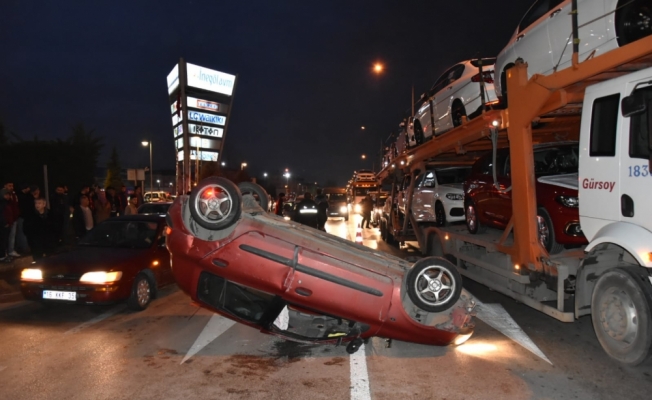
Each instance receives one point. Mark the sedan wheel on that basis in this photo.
(215, 203)
(434, 284)
(440, 214)
(141, 293)
(547, 233)
(472, 222)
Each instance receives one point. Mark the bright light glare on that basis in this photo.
(477, 349)
(495, 122)
(343, 209)
(31, 274)
(101, 277)
(145, 143)
(378, 68)
(461, 339)
(357, 208)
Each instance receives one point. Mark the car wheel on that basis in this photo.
(472, 218)
(503, 85)
(257, 191)
(458, 112)
(621, 315)
(434, 284)
(547, 232)
(440, 214)
(633, 21)
(215, 203)
(354, 345)
(383, 230)
(141, 293)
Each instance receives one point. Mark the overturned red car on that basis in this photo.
(302, 284)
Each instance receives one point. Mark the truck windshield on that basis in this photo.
(362, 191)
(337, 197)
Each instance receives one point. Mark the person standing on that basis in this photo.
(13, 223)
(306, 211)
(82, 217)
(132, 207)
(279, 204)
(5, 216)
(39, 229)
(366, 205)
(58, 212)
(138, 194)
(113, 200)
(322, 210)
(122, 196)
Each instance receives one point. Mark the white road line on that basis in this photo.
(11, 306)
(95, 320)
(497, 317)
(359, 375)
(216, 326)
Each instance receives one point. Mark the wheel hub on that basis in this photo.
(618, 317)
(434, 285)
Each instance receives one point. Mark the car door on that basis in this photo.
(444, 98)
(440, 84)
(592, 35)
(531, 43)
(418, 202)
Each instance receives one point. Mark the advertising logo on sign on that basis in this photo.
(173, 79)
(207, 118)
(203, 143)
(207, 105)
(176, 119)
(206, 130)
(211, 80)
(178, 130)
(204, 155)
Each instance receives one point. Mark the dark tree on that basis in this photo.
(113, 170)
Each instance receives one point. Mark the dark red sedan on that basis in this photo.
(293, 281)
(489, 203)
(121, 259)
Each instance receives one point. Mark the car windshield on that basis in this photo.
(447, 176)
(337, 197)
(122, 234)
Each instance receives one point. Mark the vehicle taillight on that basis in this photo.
(488, 77)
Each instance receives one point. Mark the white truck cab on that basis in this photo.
(615, 179)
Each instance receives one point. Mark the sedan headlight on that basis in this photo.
(31, 274)
(343, 210)
(357, 208)
(101, 277)
(454, 196)
(569, 201)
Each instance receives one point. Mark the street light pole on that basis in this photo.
(151, 168)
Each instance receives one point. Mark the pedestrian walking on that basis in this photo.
(138, 194)
(306, 211)
(122, 196)
(59, 212)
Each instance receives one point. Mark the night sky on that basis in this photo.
(305, 84)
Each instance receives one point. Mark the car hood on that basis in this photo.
(86, 259)
(569, 181)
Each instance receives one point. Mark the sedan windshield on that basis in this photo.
(125, 234)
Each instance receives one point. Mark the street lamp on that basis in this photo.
(287, 177)
(364, 157)
(378, 68)
(265, 174)
(223, 163)
(158, 183)
(151, 172)
(243, 166)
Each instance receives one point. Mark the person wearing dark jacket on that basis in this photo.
(82, 217)
(5, 216)
(39, 229)
(366, 205)
(322, 210)
(306, 211)
(59, 211)
(279, 204)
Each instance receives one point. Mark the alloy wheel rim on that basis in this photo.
(435, 285)
(470, 217)
(544, 231)
(213, 204)
(143, 292)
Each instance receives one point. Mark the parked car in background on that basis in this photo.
(159, 208)
(157, 196)
(439, 195)
(122, 258)
(337, 206)
(454, 96)
(303, 284)
(489, 203)
(543, 38)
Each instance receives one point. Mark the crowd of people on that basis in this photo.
(29, 225)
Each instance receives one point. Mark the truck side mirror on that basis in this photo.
(632, 104)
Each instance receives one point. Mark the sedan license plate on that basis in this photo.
(59, 295)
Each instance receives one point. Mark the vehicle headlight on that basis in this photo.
(101, 277)
(454, 196)
(31, 274)
(569, 201)
(343, 210)
(357, 208)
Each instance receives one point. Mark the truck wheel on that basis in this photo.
(547, 232)
(215, 203)
(472, 219)
(257, 191)
(434, 284)
(620, 310)
(440, 214)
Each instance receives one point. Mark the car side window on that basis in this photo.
(535, 12)
(417, 182)
(604, 121)
(429, 179)
(639, 129)
(443, 80)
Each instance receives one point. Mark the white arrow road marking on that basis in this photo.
(95, 320)
(497, 317)
(216, 326)
(359, 376)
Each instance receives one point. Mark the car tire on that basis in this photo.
(621, 314)
(440, 214)
(383, 230)
(457, 113)
(142, 292)
(473, 224)
(215, 203)
(546, 232)
(255, 190)
(434, 284)
(629, 20)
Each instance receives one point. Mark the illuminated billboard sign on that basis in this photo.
(177, 118)
(204, 155)
(173, 79)
(211, 80)
(178, 130)
(206, 118)
(207, 105)
(205, 130)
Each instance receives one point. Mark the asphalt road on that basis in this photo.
(176, 350)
